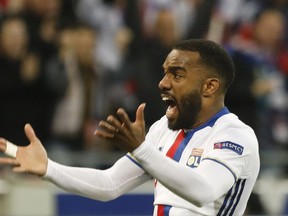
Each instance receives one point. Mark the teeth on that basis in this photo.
(165, 98)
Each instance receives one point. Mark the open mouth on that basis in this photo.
(171, 111)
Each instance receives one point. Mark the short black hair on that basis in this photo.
(213, 56)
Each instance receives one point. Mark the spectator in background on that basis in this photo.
(42, 18)
(183, 12)
(11, 7)
(75, 64)
(113, 40)
(260, 54)
(228, 16)
(164, 23)
(22, 92)
(163, 35)
(204, 10)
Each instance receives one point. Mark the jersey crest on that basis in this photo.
(195, 157)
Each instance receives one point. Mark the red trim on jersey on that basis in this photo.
(176, 143)
(160, 210)
(174, 147)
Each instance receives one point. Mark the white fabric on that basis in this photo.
(187, 188)
(11, 149)
(100, 185)
(197, 190)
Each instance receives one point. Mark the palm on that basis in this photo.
(32, 158)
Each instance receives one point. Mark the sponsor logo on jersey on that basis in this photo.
(229, 145)
(195, 157)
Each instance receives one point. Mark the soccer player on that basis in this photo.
(204, 160)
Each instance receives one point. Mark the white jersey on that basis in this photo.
(213, 171)
(224, 140)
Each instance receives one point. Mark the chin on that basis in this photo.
(173, 126)
(170, 125)
(181, 123)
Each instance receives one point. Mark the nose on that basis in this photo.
(164, 84)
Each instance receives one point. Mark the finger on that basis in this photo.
(11, 149)
(104, 134)
(107, 127)
(9, 161)
(112, 120)
(140, 113)
(30, 133)
(122, 114)
(2, 145)
(20, 169)
(8, 148)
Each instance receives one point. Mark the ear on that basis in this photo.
(210, 86)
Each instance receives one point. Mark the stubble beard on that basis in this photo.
(189, 109)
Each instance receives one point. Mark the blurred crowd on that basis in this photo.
(66, 64)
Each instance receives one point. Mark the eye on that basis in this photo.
(178, 76)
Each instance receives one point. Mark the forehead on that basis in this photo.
(181, 58)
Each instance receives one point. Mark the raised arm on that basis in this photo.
(194, 185)
(102, 185)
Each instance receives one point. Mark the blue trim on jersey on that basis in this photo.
(134, 161)
(225, 202)
(212, 159)
(213, 119)
(182, 146)
(167, 210)
(232, 198)
(190, 133)
(239, 196)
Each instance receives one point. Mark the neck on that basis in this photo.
(207, 112)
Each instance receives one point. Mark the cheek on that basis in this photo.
(191, 85)
(191, 89)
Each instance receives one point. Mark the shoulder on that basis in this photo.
(231, 122)
(230, 128)
(235, 144)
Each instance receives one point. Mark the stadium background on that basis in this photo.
(66, 64)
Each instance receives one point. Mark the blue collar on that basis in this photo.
(212, 120)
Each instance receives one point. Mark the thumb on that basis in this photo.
(29, 131)
(140, 113)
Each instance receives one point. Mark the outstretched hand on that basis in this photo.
(30, 159)
(126, 134)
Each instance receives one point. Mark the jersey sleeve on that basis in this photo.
(234, 149)
(97, 184)
(194, 185)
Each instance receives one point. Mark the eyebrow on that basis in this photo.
(175, 68)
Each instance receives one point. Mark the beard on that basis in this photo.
(189, 108)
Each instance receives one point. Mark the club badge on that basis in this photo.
(195, 157)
